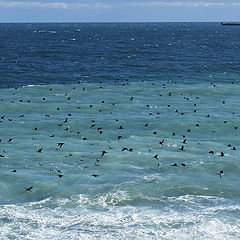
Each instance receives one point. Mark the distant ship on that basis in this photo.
(230, 23)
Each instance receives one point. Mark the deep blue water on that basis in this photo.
(162, 99)
(69, 52)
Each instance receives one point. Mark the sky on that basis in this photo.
(119, 11)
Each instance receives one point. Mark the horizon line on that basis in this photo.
(116, 21)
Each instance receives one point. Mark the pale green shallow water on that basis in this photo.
(134, 196)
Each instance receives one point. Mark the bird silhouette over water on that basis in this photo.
(29, 189)
(161, 142)
(182, 148)
(40, 150)
(127, 149)
(103, 153)
(221, 173)
(222, 154)
(60, 144)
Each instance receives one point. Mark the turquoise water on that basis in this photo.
(119, 131)
(134, 195)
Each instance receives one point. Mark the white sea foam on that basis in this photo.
(39, 221)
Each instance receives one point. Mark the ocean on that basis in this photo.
(119, 131)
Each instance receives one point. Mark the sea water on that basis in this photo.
(119, 131)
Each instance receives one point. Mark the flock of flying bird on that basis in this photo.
(100, 130)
